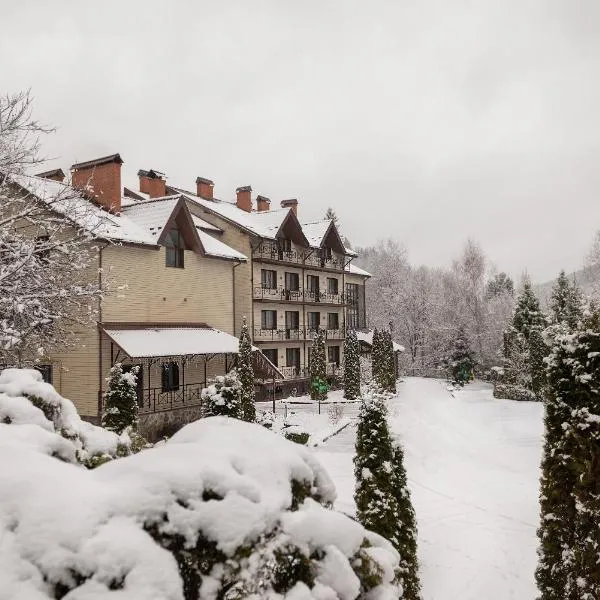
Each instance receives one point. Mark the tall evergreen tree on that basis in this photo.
(461, 361)
(382, 500)
(377, 358)
(120, 401)
(555, 569)
(389, 362)
(351, 367)
(565, 301)
(407, 531)
(538, 351)
(528, 314)
(330, 214)
(246, 375)
(318, 368)
(223, 397)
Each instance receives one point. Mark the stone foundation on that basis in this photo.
(156, 426)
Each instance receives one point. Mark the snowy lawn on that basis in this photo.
(335, 414)
(473, 468)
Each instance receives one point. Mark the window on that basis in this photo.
(352, 317)
(175, 247)
(268, 279)
(352, 293)
(333, 355)
(312, 284)
(285, 245)
(332, 286)
(46, 371)
(268, 319)
(41, 247)
(292, 282)
(292, 357)
(314, 320)
(292, 319)
(170, 377)
(272, 355)
(333, 321)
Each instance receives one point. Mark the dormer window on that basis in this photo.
(285, 245)
(175, 249)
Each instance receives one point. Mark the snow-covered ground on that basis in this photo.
(473, 469)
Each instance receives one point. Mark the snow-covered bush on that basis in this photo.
(223, 398)
(266, 418)
(28, 402)
(295, 433)
(120, 401)
(224, 509)
(506, 391)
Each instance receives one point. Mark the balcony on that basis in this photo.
(273, 252)
(309, 258)
(284, 335)
(307, 296)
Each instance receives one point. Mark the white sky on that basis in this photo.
(426, 121)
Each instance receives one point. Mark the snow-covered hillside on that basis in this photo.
(473, 468)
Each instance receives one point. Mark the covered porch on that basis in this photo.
(175, 362)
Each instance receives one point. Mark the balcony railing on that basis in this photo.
(156, 400)
(282, 335)
(314, 258)
(283, 295)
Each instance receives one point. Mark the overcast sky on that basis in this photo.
(426, 121)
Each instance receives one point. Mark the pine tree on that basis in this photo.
(383, 502)
(555, 569)
(331, 216)
(528, 314)
(538, 351)
(223, 397)
(120, 401)
(461, 359)
(246, 375)
(318, 368)
(351, 367)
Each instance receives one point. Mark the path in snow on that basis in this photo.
(473, 468)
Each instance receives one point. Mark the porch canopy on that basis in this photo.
(176, 341)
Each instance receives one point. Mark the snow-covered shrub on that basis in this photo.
(120, 401)
(266, 418)
(505, 391)
(223, 398)
(27, 401)
(295, 433)
(225, 509)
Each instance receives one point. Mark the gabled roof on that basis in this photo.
(320, 232)
(71, 204)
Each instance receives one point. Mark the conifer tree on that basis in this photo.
(389, 362)
(223, 397)
(407, 532)
(555, 569)
(318, 368)
(382, 498)
(120, 401)
(528, 314)
(246, 375)
(461, 359)
(565, 301)
(351, 367)
(377, 358)
(538, 351)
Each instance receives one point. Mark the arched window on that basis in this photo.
(175, 247)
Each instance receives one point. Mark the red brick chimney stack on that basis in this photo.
(262, 203)
(204, 188)
(152, 183)
(55, 175)
(244, 198)
(101, 179)
(292, 203)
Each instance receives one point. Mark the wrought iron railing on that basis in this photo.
(281, 335)
(157, 400)
(312, 258)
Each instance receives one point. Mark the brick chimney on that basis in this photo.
(152, 183)
(262, 203)
(204, 188)
(55, 175)
(292, 203)
(101, 179)
(244, 198)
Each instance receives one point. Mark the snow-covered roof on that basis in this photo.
(66, 201)
(354, 270)
(216, 248)
(367, 338)
(315, 232)
(173, 341)
(202, 224)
